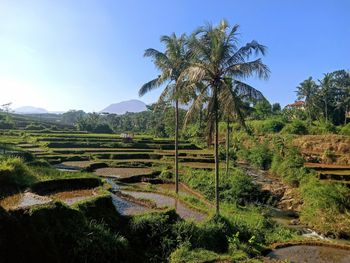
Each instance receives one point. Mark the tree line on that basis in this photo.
(328, 98)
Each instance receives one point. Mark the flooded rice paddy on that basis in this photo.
(163, 201)
(307, 253)
(71, 197)
(128, 207)
(23, 200)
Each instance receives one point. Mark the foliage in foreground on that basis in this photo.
(326, 207)
(235, 187)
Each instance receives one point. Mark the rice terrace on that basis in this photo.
(235, 150)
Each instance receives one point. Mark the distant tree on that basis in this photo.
(262, 109)
(308, 90)
(276, 108)
(103, 128)
(327, 93)
(342, 79)
(71, 117)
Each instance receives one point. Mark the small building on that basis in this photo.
(297, 105)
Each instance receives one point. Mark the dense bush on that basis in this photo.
(272, 125)
(150, 236)
(260, 156)
(295, 127)
(235, 187)
(290, 166)
(322, 127)
(13, 171)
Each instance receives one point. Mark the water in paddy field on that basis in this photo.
(306, 253)
(23, 200)
(167, 201)
(123, 206)
(162, 201)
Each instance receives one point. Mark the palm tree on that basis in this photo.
(235, 106)
(307, 90)
(326, 85)
(216, 57)
(171, 64)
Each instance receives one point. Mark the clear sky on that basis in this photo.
(81, 54)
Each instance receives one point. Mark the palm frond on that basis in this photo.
(248, 69)
(147, 87)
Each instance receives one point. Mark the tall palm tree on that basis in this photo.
(216, 57)
(171, 63)
(307, 90)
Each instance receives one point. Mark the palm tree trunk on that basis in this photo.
(216, 150)
(176, 146)
(227, 144)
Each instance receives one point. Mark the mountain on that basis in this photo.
(126, 106)
(30, 110)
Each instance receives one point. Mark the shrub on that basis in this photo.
(184, 254)
(235, 187)
(151, 237)
(295, 127)
(326, 207)
(273, 125)
(260, 156)
(222, 153)
(13, 171)
(322, 127)
(345, 130)
(290, 167)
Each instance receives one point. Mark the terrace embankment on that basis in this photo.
(325, 149)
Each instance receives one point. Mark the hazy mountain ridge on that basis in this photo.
(126, 106)
(30, 110)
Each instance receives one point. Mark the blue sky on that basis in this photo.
(66, 54)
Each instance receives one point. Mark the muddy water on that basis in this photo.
(23, 200)
(306, 253)
(128, 208)
(167, 201)
(123, 206)
(71, 197)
